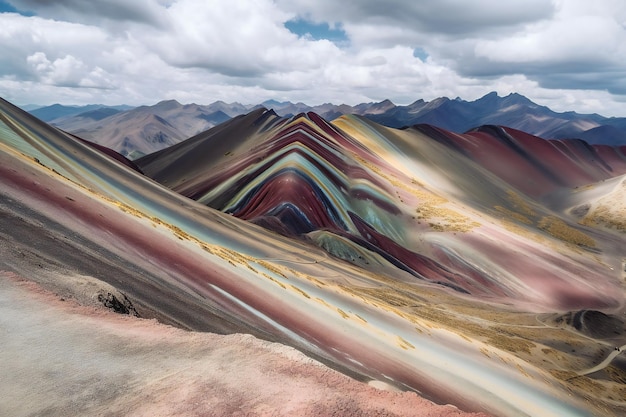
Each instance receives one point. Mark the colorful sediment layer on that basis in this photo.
(434, 262)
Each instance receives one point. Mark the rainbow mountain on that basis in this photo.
(483, 269)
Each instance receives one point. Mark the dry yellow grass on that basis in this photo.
(520, 204)
(513, 215)
(607, 217)
(617, 375)
(441, 219)
(562, 231)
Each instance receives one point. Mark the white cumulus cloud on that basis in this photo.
(567, 54)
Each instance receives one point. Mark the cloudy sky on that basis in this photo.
(566, 54)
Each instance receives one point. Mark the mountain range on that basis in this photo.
(482, 269)
(142, 130)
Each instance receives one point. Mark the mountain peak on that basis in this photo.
(438, 101)
(383, 105)
(512, 98)
(515, 98)
(271, 102)
(168, 104)
(491, 97)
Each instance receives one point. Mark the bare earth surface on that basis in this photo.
(60, 358)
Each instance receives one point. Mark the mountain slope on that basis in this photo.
(176, 260)
(333, 184)
(442, 277)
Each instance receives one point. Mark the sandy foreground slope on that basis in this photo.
(63, 358)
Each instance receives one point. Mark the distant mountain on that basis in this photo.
(230, 109)
(142, 130)
(514, 111)
(29, 107)
(459, 116)
(287, 108)
(99, 114)
(57, 111)
(146, 129)
(603, 134)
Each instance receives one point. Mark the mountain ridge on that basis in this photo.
(514, 110)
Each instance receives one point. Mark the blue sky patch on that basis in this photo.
(317, 31)
(6, 7)
(420, 53)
